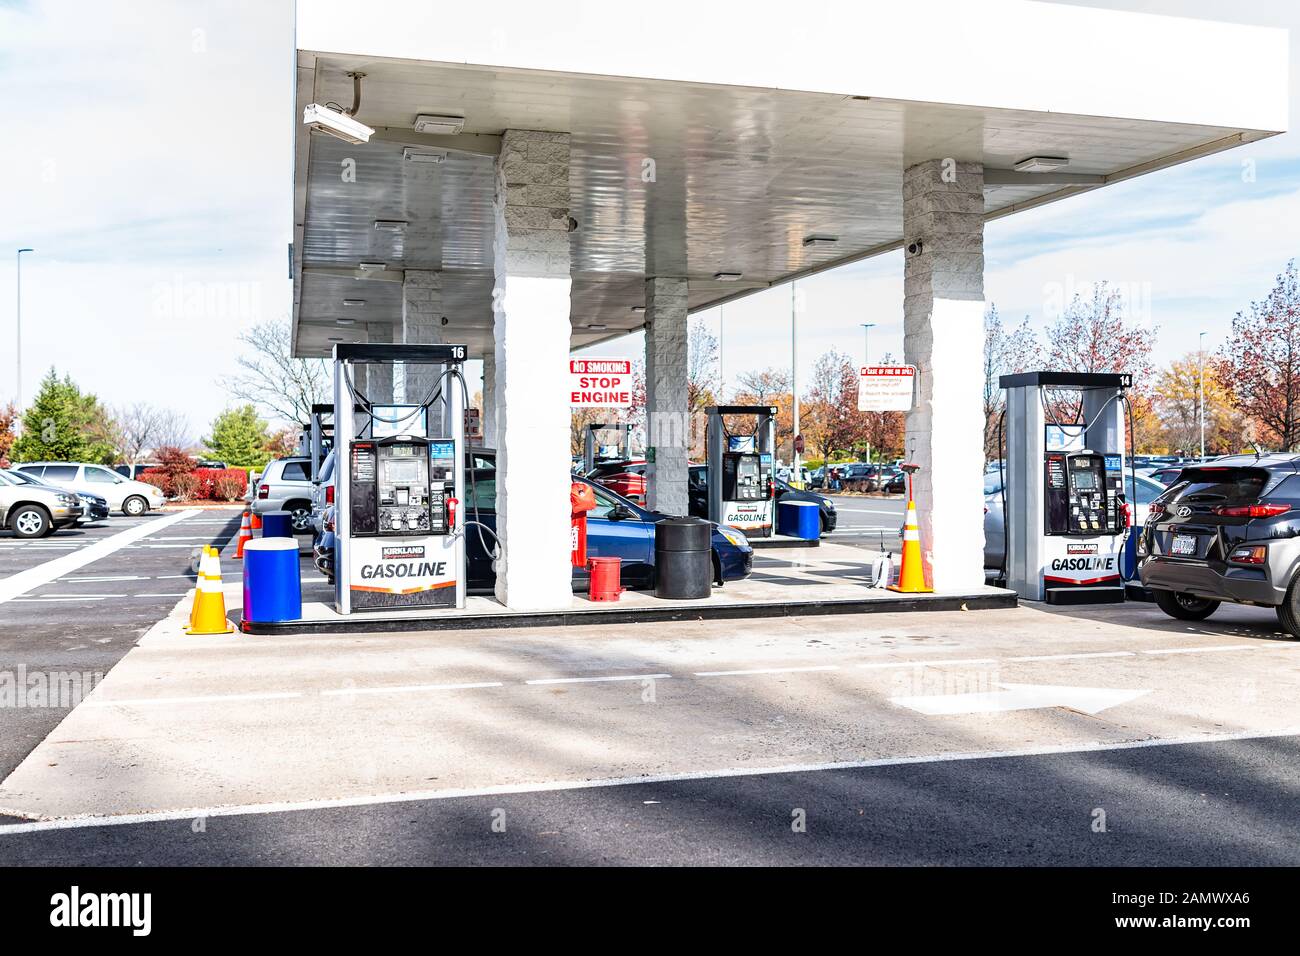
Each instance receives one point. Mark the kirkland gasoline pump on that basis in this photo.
(1063, 486)
(399, 477)
(742, 493)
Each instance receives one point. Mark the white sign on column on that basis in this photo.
(886, 388)
(600, 383)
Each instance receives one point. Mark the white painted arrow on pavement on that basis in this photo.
(1088, 700)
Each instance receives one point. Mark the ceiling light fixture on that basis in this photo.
(424, 157)
(352, 302)
(727, 276)
(820, 240)
(1041, 164)
(345, 321)
(434, 124)
(390, 225)
(372, 266)
(335, 338)
(597, 327)
(638, 308)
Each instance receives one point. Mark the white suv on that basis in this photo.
(130, 497)
(286, 485)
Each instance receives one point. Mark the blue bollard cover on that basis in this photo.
(272, 586)
(277, 524)
(799, 519)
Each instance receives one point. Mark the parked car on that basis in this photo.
(285, 485)
(862, 477)
(126, 495)
(896, 484)
(33, 510)
(617, 527)
(94, 508)
(697, 489)
(626, 477)
(1166, 474)
(133, 471)
(1227, 531)
(1141, 500)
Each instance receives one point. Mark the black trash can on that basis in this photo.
(683, 559)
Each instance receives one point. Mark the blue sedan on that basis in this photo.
(616, 528)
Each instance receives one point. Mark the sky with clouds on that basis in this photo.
(148, 162)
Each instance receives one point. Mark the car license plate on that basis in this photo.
(1183, 544)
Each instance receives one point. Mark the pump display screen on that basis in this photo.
(1085, 481)
(402, 469)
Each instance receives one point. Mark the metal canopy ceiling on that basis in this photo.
(741, 177)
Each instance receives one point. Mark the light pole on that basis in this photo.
(18, 351)
(1200, 387)
(722, 376)
(866, 350)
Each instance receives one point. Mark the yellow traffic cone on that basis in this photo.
(911, 574)
(209, 613)
(204, 560)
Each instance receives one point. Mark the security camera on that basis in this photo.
(915, 248)
(445, 320)
(336, 123)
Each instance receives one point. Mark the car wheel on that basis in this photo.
(1184, 606)
(1288, 612)
(31, 521)
(299, 517)
(135, 506)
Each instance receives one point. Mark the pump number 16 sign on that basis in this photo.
(886, 388)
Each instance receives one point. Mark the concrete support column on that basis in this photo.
(490, 399)
(667, 415)
(531, 327)
(421, 325)
(378, 384)
(943, 322)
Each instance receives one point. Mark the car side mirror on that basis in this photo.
(621, 512)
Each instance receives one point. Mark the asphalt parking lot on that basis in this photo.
(867, 522)
(65, 620)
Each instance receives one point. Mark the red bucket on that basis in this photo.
(605, 573)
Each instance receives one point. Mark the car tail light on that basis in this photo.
(329, 494)
(1156, 510)
(264, 491)
(1252, 554)
(1251, 511)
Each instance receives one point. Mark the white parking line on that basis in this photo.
(209, 699)
(1202, 650)
(938, 663)
(594, 680)
(1073, 657)
(24, 581)
(405, 688)
(252, 809)
(768, 670)
(51, 600)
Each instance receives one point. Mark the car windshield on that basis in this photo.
(1221, 484)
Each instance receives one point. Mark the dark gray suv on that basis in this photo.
(1226, 531)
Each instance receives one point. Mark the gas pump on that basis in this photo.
(592, 449)
(399, 477)
(1063, 486)
(319, 437)
(741, 491)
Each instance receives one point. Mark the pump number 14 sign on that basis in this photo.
(600, 383)
(886, 388)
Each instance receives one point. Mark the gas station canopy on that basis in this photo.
(725, 141)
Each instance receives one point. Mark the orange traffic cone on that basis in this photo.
(208, 615)
(256, 522)
(911, 575)
(245, 536)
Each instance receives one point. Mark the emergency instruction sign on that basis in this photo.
(886, 388)
(600, 383)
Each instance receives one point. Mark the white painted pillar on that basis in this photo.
(666, 400)
(378, 385)
(943, 320)
(489, 399)
(531, 327)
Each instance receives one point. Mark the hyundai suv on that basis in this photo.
(1227, 531)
